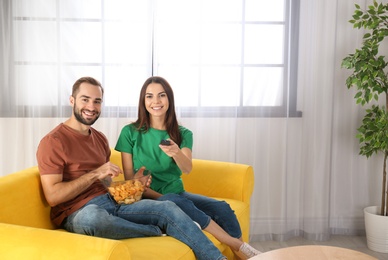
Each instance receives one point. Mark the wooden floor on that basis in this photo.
(357, 243)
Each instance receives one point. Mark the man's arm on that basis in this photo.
(57, 191)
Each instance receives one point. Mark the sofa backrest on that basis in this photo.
(220, 179)
(213, 178)
(22, 200)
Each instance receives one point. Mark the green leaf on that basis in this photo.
(369, 76)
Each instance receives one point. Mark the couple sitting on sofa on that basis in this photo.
(73, 159)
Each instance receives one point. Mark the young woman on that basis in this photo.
(140, 145)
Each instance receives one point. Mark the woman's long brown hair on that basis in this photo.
(143, 119)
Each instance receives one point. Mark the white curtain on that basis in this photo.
(309, 179)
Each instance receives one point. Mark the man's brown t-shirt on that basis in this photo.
(65, 151)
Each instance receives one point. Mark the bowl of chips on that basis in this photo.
(129, 191)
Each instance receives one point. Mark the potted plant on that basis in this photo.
(369, 76)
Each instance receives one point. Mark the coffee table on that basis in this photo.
(315, 252)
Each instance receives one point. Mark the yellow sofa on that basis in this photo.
(26, 231)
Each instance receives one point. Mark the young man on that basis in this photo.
(73, 159)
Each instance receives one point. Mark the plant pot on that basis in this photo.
(376, 227)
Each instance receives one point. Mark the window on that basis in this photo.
(234, 56)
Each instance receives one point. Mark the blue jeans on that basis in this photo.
(103, 217)
(201, 208)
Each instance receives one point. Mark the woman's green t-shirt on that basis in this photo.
(145, 150)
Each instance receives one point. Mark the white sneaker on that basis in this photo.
(248, 251)
(197, 225)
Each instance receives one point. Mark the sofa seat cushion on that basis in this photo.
(169, 247)
(158, 248)
(163, 248)
(21, 242)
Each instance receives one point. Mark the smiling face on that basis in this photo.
(87, 103)
(156, 100)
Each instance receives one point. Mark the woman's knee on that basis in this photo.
(217, 208)
(224, 206)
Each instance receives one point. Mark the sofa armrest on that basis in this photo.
(220, 179)
(20, 242)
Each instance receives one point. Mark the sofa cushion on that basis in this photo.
(25, 217)
(157, 248)
(20, 242)
(22, 200)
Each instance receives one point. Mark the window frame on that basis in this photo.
(288, 109)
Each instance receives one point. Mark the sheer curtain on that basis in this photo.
(309, 179)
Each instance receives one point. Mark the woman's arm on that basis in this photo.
(129, 173)
(151, 194)
(127, 165)
(182, 157)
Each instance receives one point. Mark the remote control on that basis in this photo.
(165, 142)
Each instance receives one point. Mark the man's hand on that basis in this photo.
(107, 169)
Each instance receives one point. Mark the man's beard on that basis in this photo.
(78, 115)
